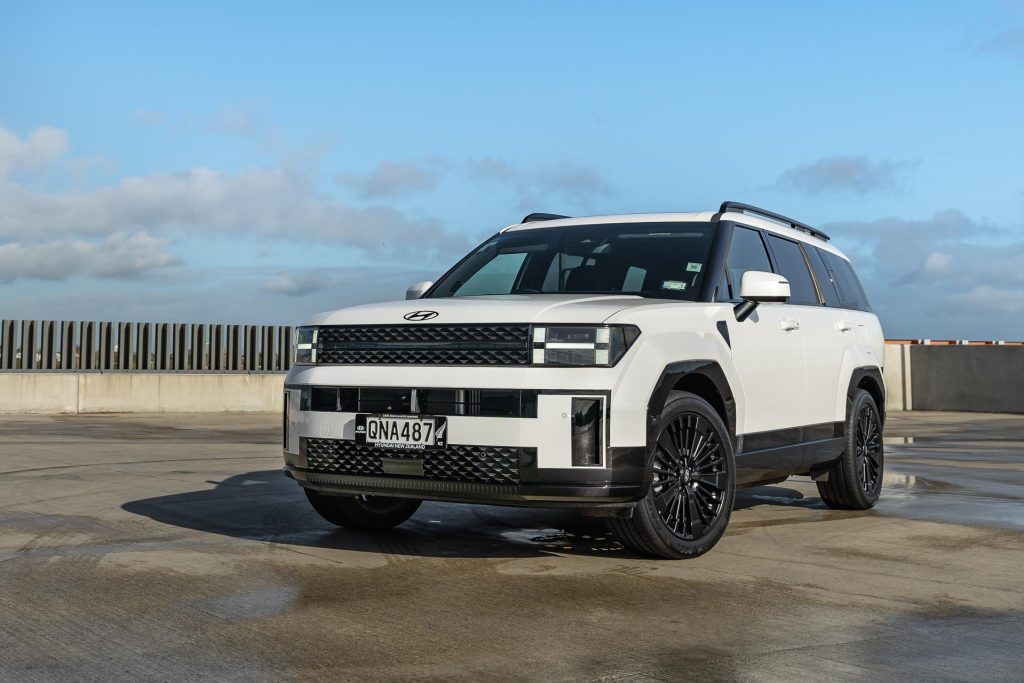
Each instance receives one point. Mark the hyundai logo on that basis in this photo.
(420, 316)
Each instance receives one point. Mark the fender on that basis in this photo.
(671, 375)
(875, 374)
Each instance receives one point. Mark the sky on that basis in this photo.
(258, 162)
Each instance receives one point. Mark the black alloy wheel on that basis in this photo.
(854, 481)
(869, 447)
(693, 483)
(689, 476)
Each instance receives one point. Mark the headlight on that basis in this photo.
(305, 346)
(594, 345)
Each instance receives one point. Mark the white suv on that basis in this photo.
(640, 367)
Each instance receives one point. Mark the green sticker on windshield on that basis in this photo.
(692, 267)
(673, 284)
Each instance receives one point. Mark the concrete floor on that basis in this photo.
(167, 547)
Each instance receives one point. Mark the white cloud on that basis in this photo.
(264, 201)
(937, 263)
(122, 229)
(117, 256)
(989, 299)
(394, 178)
(245, 118)
(940, 277)
(532, 187)
(845, 173)
(41, 147)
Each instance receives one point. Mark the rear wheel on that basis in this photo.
(364, 513)
(687, 508)
(855, 480)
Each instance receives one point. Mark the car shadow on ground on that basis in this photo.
(267, 506)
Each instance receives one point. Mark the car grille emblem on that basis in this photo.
(420, 316)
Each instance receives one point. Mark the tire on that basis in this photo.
(362, 513)
(855, 480)
(688, 504)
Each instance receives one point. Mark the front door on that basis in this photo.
(767, 350)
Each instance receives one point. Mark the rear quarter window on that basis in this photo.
(826, 282)
(851, 294)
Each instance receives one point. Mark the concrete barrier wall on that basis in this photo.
(896, 375)
(917, 377)
(971, 378)
(130, 392)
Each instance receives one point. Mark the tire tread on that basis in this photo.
(841, 491)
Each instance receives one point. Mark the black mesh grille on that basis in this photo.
(424, 345)
(482, 464)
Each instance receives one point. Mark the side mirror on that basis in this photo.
(759, 287)
(418, 290)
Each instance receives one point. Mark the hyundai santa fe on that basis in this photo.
(638, 367)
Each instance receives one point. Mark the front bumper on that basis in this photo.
(621, 484)
(540, 431)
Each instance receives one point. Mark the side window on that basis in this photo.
(793, 267)
(823, 274)
(746, 252)
(850, 291)
(497, 277)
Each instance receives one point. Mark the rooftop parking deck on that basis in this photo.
(166, 547)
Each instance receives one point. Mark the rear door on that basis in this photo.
(767, 347)
(825, 337)
(866, 332)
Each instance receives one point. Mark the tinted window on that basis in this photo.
(850, 291)
(793, 267)
(746, 252)
(661, 260)
(496, 277)
(824, 276)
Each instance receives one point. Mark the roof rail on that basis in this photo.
(533, 217)
(797, 225)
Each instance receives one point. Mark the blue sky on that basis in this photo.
(257, 162)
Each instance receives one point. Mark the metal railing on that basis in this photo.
(70, 346)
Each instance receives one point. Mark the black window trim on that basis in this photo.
(807, 249)
(778, 271)
(814, 277)
(839, 290)
(728, 249)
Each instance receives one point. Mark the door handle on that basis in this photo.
(843, 326)
(789, 325)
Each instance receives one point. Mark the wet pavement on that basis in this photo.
(159, 547)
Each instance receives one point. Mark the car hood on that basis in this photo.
(513, 308)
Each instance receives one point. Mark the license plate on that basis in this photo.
(409, 432)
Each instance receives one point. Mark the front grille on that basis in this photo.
(405, 400)
(479, 464)
(424, 345)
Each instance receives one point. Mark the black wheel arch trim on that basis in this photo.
(672, 375)
(874, 374)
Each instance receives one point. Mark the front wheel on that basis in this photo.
(363, 513)
(693, 487)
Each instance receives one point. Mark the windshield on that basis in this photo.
(660, 260)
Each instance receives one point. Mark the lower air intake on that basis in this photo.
(479, 464)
